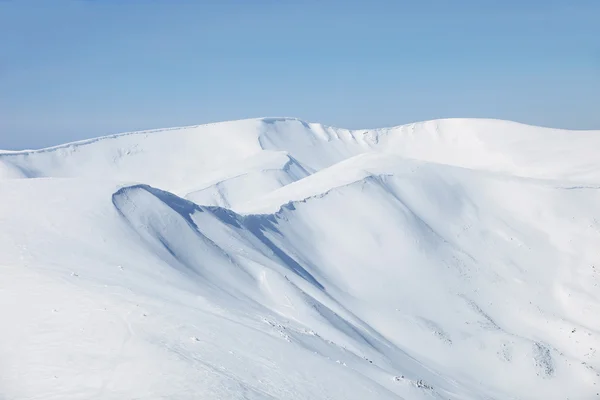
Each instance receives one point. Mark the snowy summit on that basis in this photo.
(278, 259)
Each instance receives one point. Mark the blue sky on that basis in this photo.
(76, 69)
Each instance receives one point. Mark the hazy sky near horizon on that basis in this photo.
(76, 69)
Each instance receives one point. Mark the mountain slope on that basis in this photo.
(185, 160)
(273, 258)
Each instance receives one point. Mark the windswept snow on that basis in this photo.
(278, 259)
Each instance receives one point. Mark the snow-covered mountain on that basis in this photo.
(278, 259)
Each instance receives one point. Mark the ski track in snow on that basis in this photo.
(278, 259)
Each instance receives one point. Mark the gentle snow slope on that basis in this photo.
(276, 259)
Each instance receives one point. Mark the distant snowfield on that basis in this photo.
(278, 259)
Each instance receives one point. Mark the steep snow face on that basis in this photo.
(465, 270)
(273, 258)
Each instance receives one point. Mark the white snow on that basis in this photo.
(278, 259)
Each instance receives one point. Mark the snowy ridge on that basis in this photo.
(275, 258)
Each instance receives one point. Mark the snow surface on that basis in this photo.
(278, 259)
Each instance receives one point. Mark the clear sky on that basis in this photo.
(76, 69)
